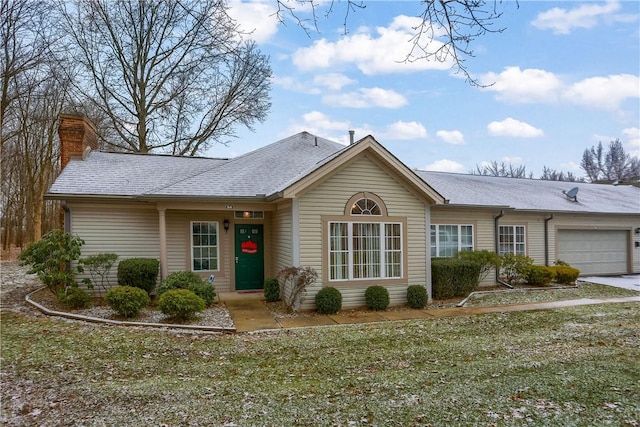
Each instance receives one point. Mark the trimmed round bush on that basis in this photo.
(376, 298)
(139, 272)
(181, 304)
(328, 300)
(189, 280)
(74, 297)
(538, 275)
(417, 296)
(127, 300)
(565, 274)
(272, 290)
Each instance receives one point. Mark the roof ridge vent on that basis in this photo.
(571, 194)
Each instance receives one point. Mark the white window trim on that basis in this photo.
(383, 251)
(515, 242)
(473, 243)
(191, 244)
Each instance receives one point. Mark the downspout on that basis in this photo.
(546, 239)
(496, 239)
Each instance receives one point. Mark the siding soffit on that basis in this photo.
(365, 146)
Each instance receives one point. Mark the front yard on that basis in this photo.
(572, 366)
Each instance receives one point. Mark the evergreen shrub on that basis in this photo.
(127, 300)
(189, 280)
(74, 297)
(454, 277)
(376, 298)
(417, 296)
(139, 272)
(180, 304)
(272, 290)
(328, 300)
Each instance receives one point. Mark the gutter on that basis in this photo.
(546, 239)
(496, 237)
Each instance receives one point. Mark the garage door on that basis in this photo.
(594, 251)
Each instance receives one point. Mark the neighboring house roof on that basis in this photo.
(533, 194)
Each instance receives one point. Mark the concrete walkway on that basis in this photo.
(250, 313)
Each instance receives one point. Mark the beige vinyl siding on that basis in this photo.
(179, 244)
(329, 199)
(129, 230)
(282, 255)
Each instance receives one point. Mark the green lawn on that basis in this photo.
(573, 366)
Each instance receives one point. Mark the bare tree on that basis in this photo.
(502, 169)
(611, 165)
(549, 174)
(447, 30)
(170, 76)
(31, 100)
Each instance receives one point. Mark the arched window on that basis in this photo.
(366, 206)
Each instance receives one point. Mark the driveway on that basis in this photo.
(631, 281)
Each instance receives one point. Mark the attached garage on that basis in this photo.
(595, 251)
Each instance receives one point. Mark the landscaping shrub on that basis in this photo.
(189, 280)
(565, 274)
(514, 268)
(376, 298)
(74, 297)
(328, 300)
(272, 290)
(488, 261)
(99, 266)
(127, 300)
(138, 272)
(181, 304)
(538, 275)
(50, 257)
(417, 296)
(453, 277)
(294, 282)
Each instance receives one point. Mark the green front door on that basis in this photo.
(249, 257)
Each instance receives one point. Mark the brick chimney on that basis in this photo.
(77, 137)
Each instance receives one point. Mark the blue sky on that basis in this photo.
(565, 76)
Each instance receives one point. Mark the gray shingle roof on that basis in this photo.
(266, 170)
(533, 194)
(273, 168)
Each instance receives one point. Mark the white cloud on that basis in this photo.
(292, 84)
(445, 165)
(333, 81)
(404, 130)
(513, 128)
(384, 51)
(366, 98)
(454, 137)
(563, 21)
(525, 86)
(256, 18)
(512, 160)
(318, 123)
(632, 138)
(604, 92)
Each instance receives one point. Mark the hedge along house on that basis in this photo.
(355, 213)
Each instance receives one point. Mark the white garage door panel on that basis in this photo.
(594, 251)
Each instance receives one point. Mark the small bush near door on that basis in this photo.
(127, 300)
(376, 298)
(181, 304)
(189, 280)
(139, 272)
(417, 296)
(272, 290)
(328, 300)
